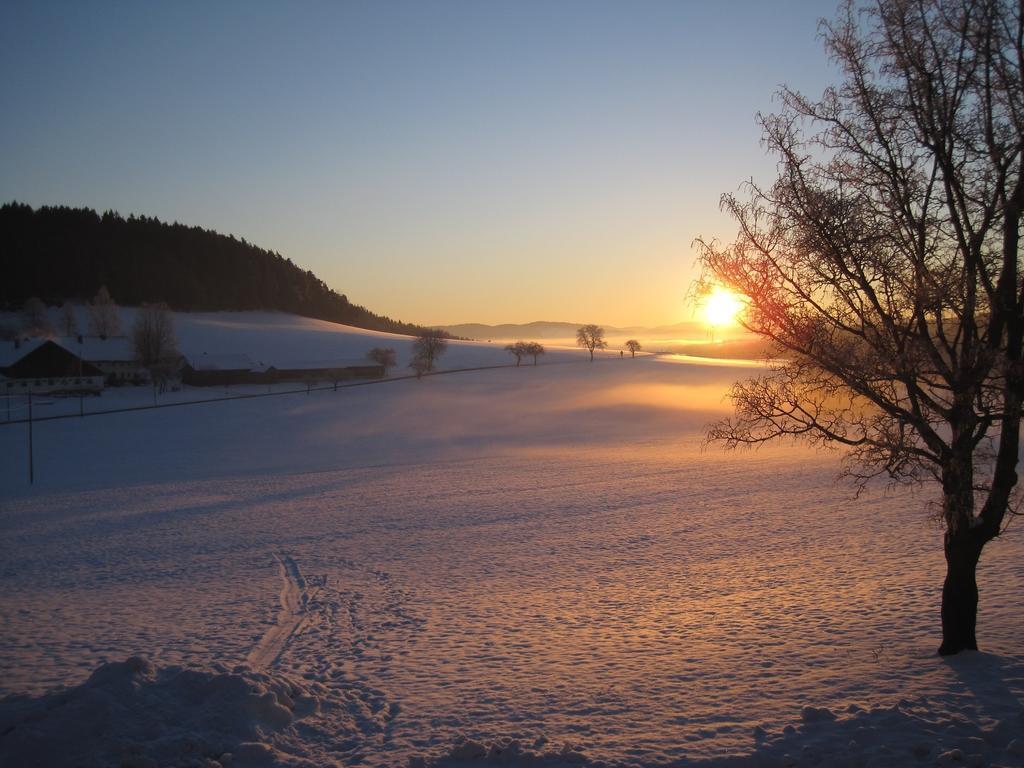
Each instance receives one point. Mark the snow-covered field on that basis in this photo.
(518, 566)
(267, 338)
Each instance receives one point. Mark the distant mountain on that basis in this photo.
(61, 253)
(559, 330)
(535, 330)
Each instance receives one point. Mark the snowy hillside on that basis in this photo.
(262, 339)
(532, 566)
(282, 339)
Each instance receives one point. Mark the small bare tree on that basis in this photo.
(104, 319)
(67, 321)
(420, 365)
(885, 263)
(36, 321)
(536, 349)
(154, 343)
(591, 337)
(153, 337)
(429, 346)
(383, 356)
(633, 346)
(520, 350)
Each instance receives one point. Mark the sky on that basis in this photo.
(437, 162)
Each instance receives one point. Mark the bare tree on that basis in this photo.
(520, 350)
(633, 346)
(429, 346)
(419, 365)
(104, 319)
(536, 349)
(884, 262)
(67, 321)
(153, 335)
(154, 343)
(591, 337)
(384, 356)
(36, 321)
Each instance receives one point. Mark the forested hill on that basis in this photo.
(68, 253)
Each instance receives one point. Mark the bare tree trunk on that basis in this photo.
(960, 593)
(962, 544)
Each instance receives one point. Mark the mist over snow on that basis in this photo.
(516, 566)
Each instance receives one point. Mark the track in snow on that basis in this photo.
(294, 599)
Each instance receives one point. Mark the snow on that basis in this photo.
(11, 353)
(288, 341)
(92, 348)
(130, 713)
(258, 340)
(514, 566)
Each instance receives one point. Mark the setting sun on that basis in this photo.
(721, 307)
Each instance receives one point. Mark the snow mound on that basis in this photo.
(917, 732)
(983, 729)
(135, 715)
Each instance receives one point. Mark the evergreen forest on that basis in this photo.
(62, 253)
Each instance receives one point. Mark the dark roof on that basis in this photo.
(49, 359)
